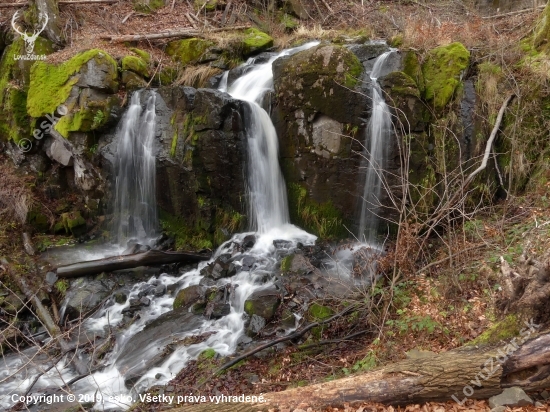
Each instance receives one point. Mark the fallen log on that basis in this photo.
(469, 372)
(167, 34)
(110, 264)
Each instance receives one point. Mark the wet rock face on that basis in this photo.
(200, 160)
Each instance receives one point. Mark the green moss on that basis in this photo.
(186, 237)
(136, 65)
(92, 116)
(442, 70)
(500, 331)
(187, 51)
(249, 306)
(74, 223)
(288, 22)
(174, 144)
(38, 220)
(322, 219)
(147, 6)
(255, 41)
(411, 67)
(142, 53)
(318, 312)
(286, 263)
(51, 85)
(208, 5)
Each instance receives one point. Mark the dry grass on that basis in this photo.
(196, 76)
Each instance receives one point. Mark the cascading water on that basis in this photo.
(378, 133)
(127, 361)
(135, 210)
(268, 202)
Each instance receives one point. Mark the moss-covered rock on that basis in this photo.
(255, 41)
(14, 83)
(38, 220)
(148, 6)
(136, 65)
(52, 84)
(505, 329)
(263, 303)
(442, 70)
(74, 223)
(146, 56)
(413, 69)
(187, 51)
(188, 296)
(132, 81)
(317, 80)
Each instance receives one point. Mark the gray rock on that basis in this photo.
(256, 324)
(189, 295)
(511, 397)
(51, 278)
(145, 301)
(59, 152)
(160, 290)
(82, 296)
(147, 348)
(99, 73)
(218, 310)
(263, 303)
(499, 409)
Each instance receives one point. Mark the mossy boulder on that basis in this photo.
(52, 84)
(442, 69)
(255, 41)
(504, 329)
(135, 64)
(132, 81)
(188, 296)
(263, 303)
(148, 6)
(74, 223)
(319, 80)
(146, 56)
(187, 51)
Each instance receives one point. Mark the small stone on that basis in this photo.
(160, 290)
(170, 388)
(145, 301)
(51, 278)
(539, 404)
(511, 397)
(134, 301)
(545, 394)
(499, 409)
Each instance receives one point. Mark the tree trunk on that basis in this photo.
(52, 30)
(479, 372)
(151, 257)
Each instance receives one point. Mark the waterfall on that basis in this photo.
(135, 210)
(378, 132)
(268, 205)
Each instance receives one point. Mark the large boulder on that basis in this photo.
(84, 85)
(317, 115)
(263, 303)
(200, 159)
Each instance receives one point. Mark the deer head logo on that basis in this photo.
(30, 40)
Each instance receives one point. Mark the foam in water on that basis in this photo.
(135, 208)
(378, 132)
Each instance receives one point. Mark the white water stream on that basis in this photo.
(378, 132)
(269, 214)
